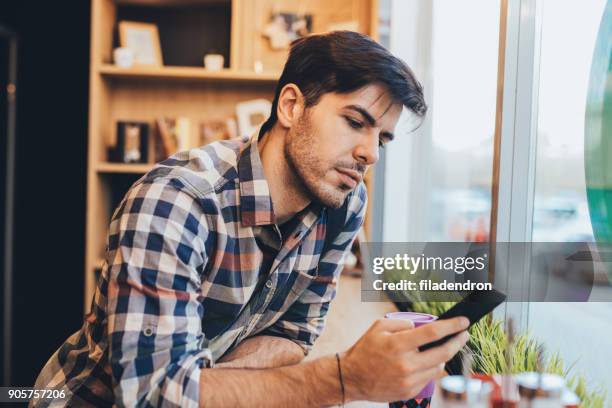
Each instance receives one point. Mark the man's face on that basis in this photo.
(335, 141)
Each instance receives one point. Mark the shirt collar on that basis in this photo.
(255, 200)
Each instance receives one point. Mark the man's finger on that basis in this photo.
(424, 376)
(443, 353)
(393, 325)
(432, 332)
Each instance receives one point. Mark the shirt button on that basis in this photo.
(269, 284)
(148, 332)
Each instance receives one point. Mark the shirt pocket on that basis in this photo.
(306, 268)
(288, 292)
(303, 279)
(314, 284)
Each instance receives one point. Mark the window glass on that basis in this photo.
(438, 179)
(561, 208)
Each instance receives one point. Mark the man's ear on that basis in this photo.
(290, 105)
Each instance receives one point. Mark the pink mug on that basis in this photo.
(423, 398)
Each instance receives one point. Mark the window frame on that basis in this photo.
(515, 144)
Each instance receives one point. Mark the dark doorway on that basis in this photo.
(50, 178)
(8, 87)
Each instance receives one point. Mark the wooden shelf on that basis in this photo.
(187, 74)
(123, 168)
(172, 3)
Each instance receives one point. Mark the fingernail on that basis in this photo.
(465, 322)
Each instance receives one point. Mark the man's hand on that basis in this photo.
(385, 364)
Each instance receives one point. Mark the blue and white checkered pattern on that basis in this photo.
(182, 281)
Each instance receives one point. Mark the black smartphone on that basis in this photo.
(474, 306)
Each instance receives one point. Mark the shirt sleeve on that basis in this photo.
(156, 255)
(304, 321)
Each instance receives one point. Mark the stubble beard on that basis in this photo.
(301, 156)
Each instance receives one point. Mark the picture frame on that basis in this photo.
(132, 143)
(213, 130)
(285, 27)
(251, 114)
(143, 40)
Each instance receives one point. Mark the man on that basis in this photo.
(221, 266)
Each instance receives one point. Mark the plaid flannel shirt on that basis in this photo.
(182, 281)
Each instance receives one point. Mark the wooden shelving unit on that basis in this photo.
(143, 94)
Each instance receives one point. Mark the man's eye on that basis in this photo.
(354, 124)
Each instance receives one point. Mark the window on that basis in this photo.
(438, 179)
(446, 196)
(561, 211)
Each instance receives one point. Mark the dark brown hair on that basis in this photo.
(342, 62)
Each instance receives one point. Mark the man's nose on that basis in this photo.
(367, 151)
